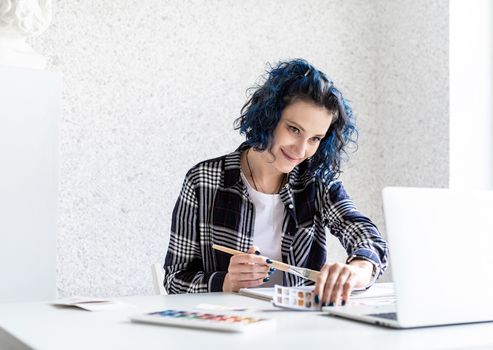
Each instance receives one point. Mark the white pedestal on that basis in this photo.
(30, 108)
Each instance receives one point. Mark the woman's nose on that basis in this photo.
(300, 148)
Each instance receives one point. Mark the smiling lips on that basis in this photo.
(291, 159)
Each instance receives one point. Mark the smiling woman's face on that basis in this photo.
(298, 134)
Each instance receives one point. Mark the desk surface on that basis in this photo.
(45, 327)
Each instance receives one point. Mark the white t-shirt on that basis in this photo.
(267, 231)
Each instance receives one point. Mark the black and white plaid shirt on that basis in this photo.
(214, 208)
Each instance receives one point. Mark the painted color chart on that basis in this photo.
(294, 298)
(205, 320)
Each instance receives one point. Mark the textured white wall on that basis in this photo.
(153, 87)
(412, 96)
(405, 121)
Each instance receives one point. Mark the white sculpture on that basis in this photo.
(19, 20)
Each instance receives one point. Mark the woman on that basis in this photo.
(275, 196)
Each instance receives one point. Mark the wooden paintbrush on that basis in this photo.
(312, 275)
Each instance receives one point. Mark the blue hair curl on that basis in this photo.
(285, 83)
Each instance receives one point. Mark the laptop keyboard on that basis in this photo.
(386, 315)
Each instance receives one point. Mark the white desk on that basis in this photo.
(45, 327)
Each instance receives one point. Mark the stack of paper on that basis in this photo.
(379, 293)
(91, 304)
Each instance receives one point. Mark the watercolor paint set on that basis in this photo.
(227, 322)
(301, 298)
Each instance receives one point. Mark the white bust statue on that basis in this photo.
(19, 20)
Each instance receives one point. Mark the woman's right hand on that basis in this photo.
(246, 270)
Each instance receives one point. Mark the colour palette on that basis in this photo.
(205, 320)
(294, 298)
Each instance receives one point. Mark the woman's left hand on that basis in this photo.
(337, 280)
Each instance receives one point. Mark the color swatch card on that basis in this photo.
(295, 298)
(222, 321)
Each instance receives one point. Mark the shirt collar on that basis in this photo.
(232, 166)
(300, 187)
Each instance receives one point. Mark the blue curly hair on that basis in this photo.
(285, 83)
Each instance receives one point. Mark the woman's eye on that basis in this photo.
(316, 139)
(294, 129)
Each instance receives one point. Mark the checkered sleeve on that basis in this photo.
(357, 234)
(184, 271)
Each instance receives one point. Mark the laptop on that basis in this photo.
(440, 243)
